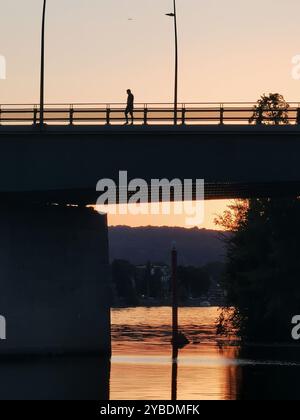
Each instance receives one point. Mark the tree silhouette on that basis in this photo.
(262, 269)
(271, 110)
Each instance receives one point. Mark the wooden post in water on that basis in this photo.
(174, 325)
(179, 340)
(174, 298)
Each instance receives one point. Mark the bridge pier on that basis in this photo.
(54, 281)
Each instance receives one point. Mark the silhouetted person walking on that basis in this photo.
(130, 106)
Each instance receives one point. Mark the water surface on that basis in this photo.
(209, 368)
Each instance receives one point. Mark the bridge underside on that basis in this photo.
(64, 164)
(213, 191)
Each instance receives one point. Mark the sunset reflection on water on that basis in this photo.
(142, 364)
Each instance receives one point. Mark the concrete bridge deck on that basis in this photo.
(64, 163)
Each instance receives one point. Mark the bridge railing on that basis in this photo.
(229, 113)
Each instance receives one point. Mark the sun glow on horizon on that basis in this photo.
(212, 209)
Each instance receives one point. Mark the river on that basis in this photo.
(209, 368)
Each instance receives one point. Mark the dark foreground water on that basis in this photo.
(141, 365)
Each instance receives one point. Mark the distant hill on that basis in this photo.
(138, 245)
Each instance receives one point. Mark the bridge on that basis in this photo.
(83, 143)
(54, 262)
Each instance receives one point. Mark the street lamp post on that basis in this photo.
(174, 15)
(42, 86)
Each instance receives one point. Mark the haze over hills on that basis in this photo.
(138, 245)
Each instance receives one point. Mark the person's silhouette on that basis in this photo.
(130, 106)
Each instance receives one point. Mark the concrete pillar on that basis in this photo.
(54, 281)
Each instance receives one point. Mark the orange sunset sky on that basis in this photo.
(95, 49)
